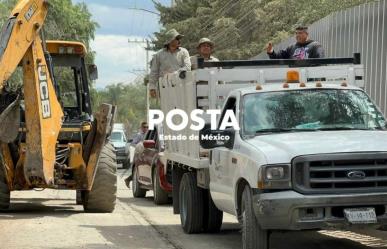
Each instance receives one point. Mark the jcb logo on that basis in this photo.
(44, 96)
(31, 11)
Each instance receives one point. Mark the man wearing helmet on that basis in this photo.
(172, 58)
(205, 48)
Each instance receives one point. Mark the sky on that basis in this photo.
(116, 58)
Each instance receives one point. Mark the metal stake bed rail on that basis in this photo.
(282, 62)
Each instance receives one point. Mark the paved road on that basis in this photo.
(50, 219)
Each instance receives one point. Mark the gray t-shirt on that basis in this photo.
(194, 61)
(164, 62)
(139, 137)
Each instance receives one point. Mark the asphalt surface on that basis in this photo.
(50, 219)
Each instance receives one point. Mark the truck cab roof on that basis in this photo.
(276, 87)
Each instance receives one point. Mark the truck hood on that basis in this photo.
(281, 148)
(118, 144)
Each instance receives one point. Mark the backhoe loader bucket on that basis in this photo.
(10, 121)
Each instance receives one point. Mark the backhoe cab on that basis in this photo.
(49, 136)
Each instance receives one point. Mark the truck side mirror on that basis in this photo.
(210, 139)
(93, 72)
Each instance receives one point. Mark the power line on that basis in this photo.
(147, 68)
(241, 17)
(221, 11)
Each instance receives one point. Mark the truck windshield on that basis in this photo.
(117, 136)
(309, 110)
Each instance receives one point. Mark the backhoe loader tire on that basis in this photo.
(5, 196)
(102, 197)
(126, 164)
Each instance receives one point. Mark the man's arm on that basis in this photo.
(282, 54)
(154, 72)
(186, 61)
(319, 51)
(136, 139)
(194, 62)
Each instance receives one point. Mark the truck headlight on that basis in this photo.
(275, 173)
(274, 177)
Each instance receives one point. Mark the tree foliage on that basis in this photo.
(242, 28)
(65, 20)
(130, 100)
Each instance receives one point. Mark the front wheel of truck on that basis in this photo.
(213, 217)
(253, 236)
(191, 204)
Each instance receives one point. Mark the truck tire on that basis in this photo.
(5, 196)
(191, 204)
(160, 197)
(213, 217)
(138, 192)
(79, 199)
(102, 197)
(80, 196)
(253, 236)
(126, 164)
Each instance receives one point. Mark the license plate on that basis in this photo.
(360, 215)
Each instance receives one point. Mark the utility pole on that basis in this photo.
(147, 68)
(173, 3)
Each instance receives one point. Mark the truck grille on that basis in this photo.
(340, 173)
(120, 151)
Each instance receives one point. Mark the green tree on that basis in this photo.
(242, 28)
(130, 101)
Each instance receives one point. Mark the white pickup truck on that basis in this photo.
(311, 152)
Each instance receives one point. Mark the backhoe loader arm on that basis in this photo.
(18, 34)
(20, 43)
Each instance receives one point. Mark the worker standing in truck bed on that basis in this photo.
(304, 48)
(205, 49)
(170, 59)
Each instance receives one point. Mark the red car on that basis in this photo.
(148, 170)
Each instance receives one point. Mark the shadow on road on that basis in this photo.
(142, 202)
(39, 207)
(135, 236)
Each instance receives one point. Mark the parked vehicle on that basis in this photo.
(119, 126)
(121, 146)
(310, 154)
(149, 171)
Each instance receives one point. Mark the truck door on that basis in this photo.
(221, 171)
(145, 169)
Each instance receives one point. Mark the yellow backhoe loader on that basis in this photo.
(49, 136)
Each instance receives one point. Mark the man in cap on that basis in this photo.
(205, 48)
(172, 58)
(304, 48)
